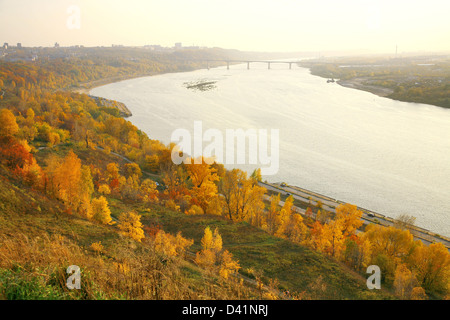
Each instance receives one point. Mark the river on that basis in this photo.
(388, 156)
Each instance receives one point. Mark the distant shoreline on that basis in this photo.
(86, 87)
(357, 83)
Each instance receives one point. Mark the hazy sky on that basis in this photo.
(259, 25)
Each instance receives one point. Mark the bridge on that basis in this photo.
(248, 62)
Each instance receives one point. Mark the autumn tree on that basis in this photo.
(404, 222)
(8, 123)
(332, 231)
(130, 225)
(243, 198)
(213, 257)
(418, 293)
(227, 265)
(318, 238)
(132, 169)
(432, 267)
(404, 282)
(293, 228)
(16, 155)
(100, 210)
(104, 189)
(357, 252)
(203, 177)
(212, 245)
(171, 245)
(273, 219)
(129, 187)
(393, 242)
(389, 247)
(86, 188)
(256, 175)
(148, 191)
(195, 210)
(67, 180)
(113, 175)
(349, 218)
(174, 179)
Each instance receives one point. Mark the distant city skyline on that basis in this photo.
(250, 25)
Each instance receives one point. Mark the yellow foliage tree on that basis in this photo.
(242, 197)
(8, 124)
(228, 266)
(195, 210)
(71, 182)
(104, 189)
(349, 218)
(203, 177)
(293, 228)
(130, 225)
(418, 293)
(404, 282)
(432, 267)
(389, 241)
(333, 232)
(100, 210)
(212, 257)
(148, 190)
(170, 245)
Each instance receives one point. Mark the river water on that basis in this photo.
(387, 156)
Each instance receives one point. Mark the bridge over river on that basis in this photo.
(248, 62)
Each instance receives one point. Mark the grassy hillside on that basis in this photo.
(38, 241)
(33, 228)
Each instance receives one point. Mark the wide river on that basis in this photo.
(387, 156)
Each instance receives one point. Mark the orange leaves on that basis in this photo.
(349, 218)
(71, 182)
(16, 156)
(13, 153)
(8, 124)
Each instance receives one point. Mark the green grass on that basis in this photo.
(296, 267)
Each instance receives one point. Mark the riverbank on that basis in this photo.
(421, 79)
(86, 87)
(359, 84)
(180, 99)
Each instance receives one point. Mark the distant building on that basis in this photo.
(155, 47)
(56, 45)
(19, 45)
(178, 45)
(5, 46)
